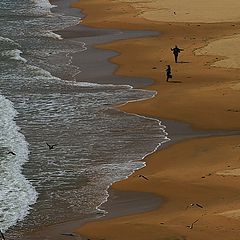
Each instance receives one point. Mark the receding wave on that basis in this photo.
(51, 34)
(17, 194)
(8, 44)
(14, 54)
(43, 6)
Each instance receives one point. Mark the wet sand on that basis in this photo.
(93, 63)
(183, 174)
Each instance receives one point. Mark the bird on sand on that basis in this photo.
(143, 177)
(191, 226)
(194, 204)
(198, 205)
(51, 146)
(11, 152)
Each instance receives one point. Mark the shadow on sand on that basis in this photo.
(183, 62)
(174, 81)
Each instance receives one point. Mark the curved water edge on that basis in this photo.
(17, 193)
(166, 139)
(97, 143)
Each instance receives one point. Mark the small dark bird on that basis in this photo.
(11, 152)
(51, 146)
(191, 226)
(2, 236)
(194, 204)
(143, 177)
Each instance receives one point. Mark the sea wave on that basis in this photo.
(51, 34)
(14, 54)
(43, 6)
(17, 194)
(8, 44)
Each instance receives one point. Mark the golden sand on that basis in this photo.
(231, 214)
(183, 174)
(199, 94)
(227, 48)
(207, 11)
(230, 172)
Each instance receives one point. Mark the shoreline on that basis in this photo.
(130, 109)
(54, 231)
(110, 228)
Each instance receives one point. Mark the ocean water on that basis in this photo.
(96, 144)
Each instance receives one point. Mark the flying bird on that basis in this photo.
(51, 146)
(11, 152)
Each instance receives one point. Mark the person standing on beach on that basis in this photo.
(168, 72)
(176, 51)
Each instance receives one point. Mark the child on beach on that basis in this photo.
(176, 51)
(168, 72)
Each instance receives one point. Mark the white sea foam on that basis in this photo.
(43, 6)
(51, 34)
(96, 85)
(4, 39)
(41, 73)
(136, 165)
(7, 42)
(14, 54)
(17, 194)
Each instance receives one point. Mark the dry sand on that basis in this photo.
(227, 48)
(207, 11)
(205, 97)
(204, 11)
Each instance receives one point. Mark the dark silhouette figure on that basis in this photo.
(176, 51)
(168, 72)
(2, 236)
(11, 152)
(51, 146)
(194, 204)
(191, 226)
(143, 177)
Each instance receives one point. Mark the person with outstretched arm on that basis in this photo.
(176, 50)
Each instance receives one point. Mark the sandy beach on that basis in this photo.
(189, 187)
(197, 179)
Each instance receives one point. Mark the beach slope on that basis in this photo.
(197, 178)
